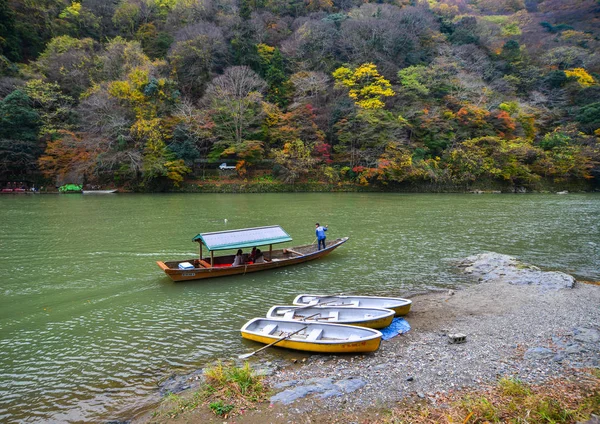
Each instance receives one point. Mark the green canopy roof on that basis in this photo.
(247, 237)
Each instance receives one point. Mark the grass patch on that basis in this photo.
(510, 401)
(227, 389)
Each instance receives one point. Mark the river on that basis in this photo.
(89, 324)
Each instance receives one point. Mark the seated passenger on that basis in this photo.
(260, 259)
(252, 255)
(239, 258)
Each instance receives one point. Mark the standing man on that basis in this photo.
(321, 235)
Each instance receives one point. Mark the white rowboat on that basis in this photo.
(364, 317)
(399, 305)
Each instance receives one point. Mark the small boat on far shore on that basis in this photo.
(399, 305)
(312, 336)
(70, 188)
(363, 317)
(100, 191)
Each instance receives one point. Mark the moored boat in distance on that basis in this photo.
(364, 317)
(100, 191)
(398, 305)
(220, 266)
(70, 188)
(317, 337)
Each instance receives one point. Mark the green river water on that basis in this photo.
(89, 324)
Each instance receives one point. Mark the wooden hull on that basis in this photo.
(99, 191)
(329, 338)
(398, 305)
(223, 268)
(362, 317)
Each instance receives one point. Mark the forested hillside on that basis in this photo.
(148, 94)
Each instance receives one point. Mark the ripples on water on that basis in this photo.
(89, 325)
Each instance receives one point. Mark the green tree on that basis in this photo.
(272, 69)
(9, 42)
(56, 109)
(78, 21)
(19, 125)
(589, 117)
(154, 43)
(296, 160)
(127, 17)
(69, 62)
(151, 98)
(18, 119)
(363, 137)
(235, 98)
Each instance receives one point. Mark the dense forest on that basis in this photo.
(154, 94)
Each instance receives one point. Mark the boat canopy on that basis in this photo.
(247, 237)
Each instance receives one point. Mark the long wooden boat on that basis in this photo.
(313, 336)
(220, 266)
(100, 191)
(399, 305)
(363, 317)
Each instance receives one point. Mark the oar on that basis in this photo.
(310, 316)
(316, 304)
(247, 355)
(294, 252)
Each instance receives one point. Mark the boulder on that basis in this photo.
(496, 267)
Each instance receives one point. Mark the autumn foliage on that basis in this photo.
(150, 94)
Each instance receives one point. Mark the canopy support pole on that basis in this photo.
(200, 250)
(270, 251)
(212, 258)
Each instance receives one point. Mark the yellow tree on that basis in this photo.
(583, 78)
(366, 86)
(148, 97)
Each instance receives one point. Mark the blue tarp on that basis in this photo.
(398, 326)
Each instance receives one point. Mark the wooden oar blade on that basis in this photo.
(247, 355)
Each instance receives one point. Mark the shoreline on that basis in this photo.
(528, 332)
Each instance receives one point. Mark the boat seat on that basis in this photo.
(289, 315)
(354, 337)
(355, 303)
(335, 315)
(270, 328)
(315, 335)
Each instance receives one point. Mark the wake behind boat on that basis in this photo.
(399, 305)
(219, 266)
(364, 317)
(312, 336)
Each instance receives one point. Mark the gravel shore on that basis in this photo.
(530, 332)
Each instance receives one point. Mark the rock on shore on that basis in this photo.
(495, 267)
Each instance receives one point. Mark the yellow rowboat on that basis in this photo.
(317, 337)
(364, 317)
(221, 266)
(399, 305)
